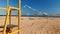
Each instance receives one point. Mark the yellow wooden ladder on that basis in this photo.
(9, 27)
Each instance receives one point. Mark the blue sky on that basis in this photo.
(47, 6)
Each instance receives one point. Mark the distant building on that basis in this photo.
(58, 15)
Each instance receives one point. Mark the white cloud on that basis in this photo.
(25, 6)
(45, 13)
(30, 8)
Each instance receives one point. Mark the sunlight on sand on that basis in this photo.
(36, 25)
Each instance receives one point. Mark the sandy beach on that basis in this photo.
(36, 25)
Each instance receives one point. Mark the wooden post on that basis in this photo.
(19, 15)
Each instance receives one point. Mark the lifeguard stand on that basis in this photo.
(7, 28)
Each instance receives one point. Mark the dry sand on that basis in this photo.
(36, 25)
